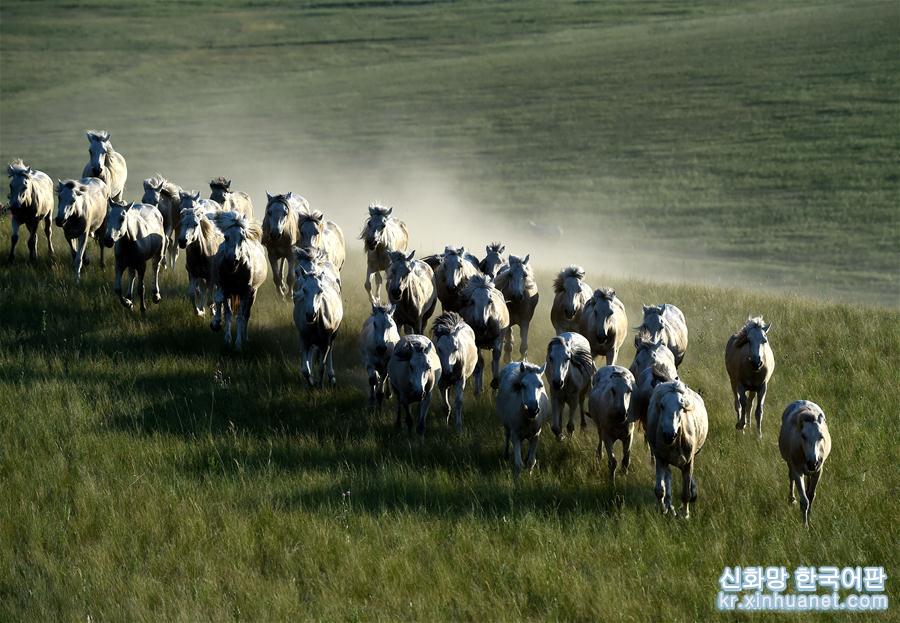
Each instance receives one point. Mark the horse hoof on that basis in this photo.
(215, 326)
(157, 298)
(199, 312)
(127, 304)
(495, 383)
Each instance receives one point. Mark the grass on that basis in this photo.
(149, 474)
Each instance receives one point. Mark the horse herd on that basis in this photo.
(481, 299)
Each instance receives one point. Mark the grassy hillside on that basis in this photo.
(752, 141)
(149, 474)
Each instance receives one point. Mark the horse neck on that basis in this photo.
(207, 238)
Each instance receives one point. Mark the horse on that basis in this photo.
(30, 204)
(493, 261)
(410, 286)
(280, 234)
(413, 371)
(381, 234)
(233, 201)
(570, 368)
(570, 295)
(239, 267)
(106, 163)
(318, 311)
(455, 343)
(319, 233)
(200, 239)
(485, 311)
(377, 340)
(604, 323)
(81, 212)
(677, 426)
(609, 405)
(517, 283)
(450, 277)
(750, 362)
(804, 443)
(667, 323)
(646, 351)
(166, 196)
(191, 199)
(137, 233)
(661, 369)
(522, 407)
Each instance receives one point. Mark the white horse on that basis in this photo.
(570, 295)
(517, 283)
(666, 322)
(280, 234)
(166, 196)
(381, 235)
(410, 286)
(233, 201)
(319, 233)
(609, 406)
(455, 343)
(191, 200)
(377, 340)
(137, 234)
(750, 363)
(604, 324)
(106, 163)
(522, 406)
(451, 275)
(570, 368)
(484, 309)
(30, 204)
(81, 212)
(239, 268)
(646, 351)
(493, 261)
(677, 425)
(318, 311)
(660, 369)
(200, 239)
(805, 443)
(413, 371)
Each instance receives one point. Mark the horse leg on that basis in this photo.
(811, 491)
(556, 415)
(157, 297)
(611, 462)
(791, 498)
(506, 444)
(445, 399)
(81, 245)
(368, 286)
(140, 275)
(531, 461)
(248, 300)
(760, 401)
(423, 413)
(507, 344)
(751, 396)
(379, 281)
(517, 455)
(49, 234)
(660, 489)
(329, 357)
(495, 364)
(688, 488)
(801, 491)
(397, 424)
(458, 406)
(409, 421)
(14, 240)
(32, 243)
(117, 288)
(218, 302)
(305, 363)
(611, 356)
(290, 277)
(226, 304)
(102, 262)
(479, 374)
(626, 449)
(275, 263)
(194, 294)
(523, 338)
(740, 405)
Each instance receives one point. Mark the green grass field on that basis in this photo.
(731, 158)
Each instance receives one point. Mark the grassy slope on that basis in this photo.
(148, 474)
(729, 135)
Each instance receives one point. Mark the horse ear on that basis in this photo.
(390, 310)
(411, 255)
(645, 308)
(767, 327)
(269, 197)
(820, 419)
(389, 210)
(526, 258)
(521, 367)
(543, 369)
(196, 196)
(502, 249)
(429, 348)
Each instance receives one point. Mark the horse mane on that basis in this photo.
(173, 191)
(396, 256)
(309, 254)
(662, 371)
(581, 357)
(643, 339)
(377, 209)
(98, 135)
(675, 387)
(559, 284)
(494, 247)
(220, 182)
(447, 323)
(476, 282)
(17, 167)
(605, 293)
(250, 230)
(517, 372)
(315, 216)
(405, 349)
